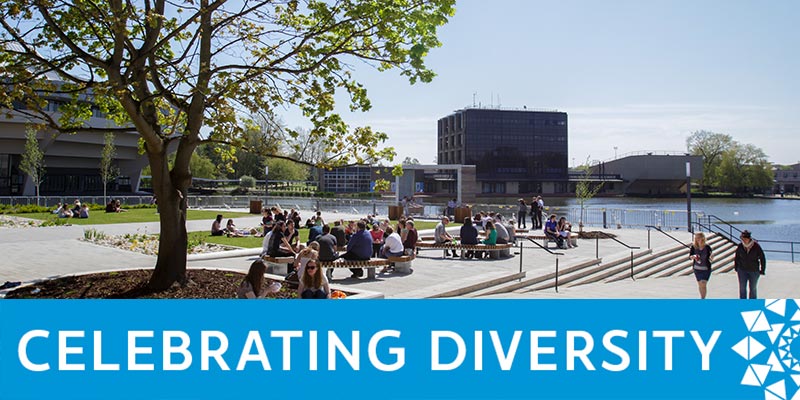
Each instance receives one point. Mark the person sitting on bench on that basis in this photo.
(491, 239)
(469, 235)
(551, 231)
(442, 237)
(359, 248)
(278, 239)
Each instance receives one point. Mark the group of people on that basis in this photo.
(270, 216)
(312, 283)
(749, 263)
(77, 210)
(535, 211)
(496, 231)
(560, 231)
(381, 240)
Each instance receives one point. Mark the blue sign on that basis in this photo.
(437, 349)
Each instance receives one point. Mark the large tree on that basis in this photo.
(711, 146)
(744, 169)
(183, 73)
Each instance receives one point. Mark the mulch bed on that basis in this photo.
(203, 284)
(595, 235)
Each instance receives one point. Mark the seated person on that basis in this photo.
(503, 236)
(327, 245)
(64, 212)
(216, 226)
(411, 238)
(309, 223)
(76, 209)
(393, 247)
(84, 211)
(314, 232)
(119, 207)
(313, 283)
(359, 248)
(377, 239)
(551, 231)
(231, 229)
(58, 208)
(111, 207)
(280, 246)
(266, 220)
(292, 236)
(491, 238)
(252, 287)
(266, 243)
(440, 235)
(564, 229)
(469, 236)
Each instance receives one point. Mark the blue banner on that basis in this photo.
(436, 349)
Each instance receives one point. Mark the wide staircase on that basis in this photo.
(643, 264)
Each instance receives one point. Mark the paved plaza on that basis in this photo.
(30, 254)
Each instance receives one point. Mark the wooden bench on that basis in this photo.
(369, 265)
(495, 251)
(401, 264)
(277, 265)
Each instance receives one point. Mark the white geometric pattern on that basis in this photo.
(771, 349)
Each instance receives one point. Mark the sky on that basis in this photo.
(631, 75)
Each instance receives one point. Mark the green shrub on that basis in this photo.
(247, 181)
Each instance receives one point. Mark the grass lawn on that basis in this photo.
(250, 241)
(134, 215)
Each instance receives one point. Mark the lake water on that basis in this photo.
(767, 219)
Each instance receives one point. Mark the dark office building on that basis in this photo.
(514, 151)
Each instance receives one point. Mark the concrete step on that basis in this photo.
(521, 285)
(465, 286)
(548, 280)
(681, 269)
(601, 272)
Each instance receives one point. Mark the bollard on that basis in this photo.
(605, 225)
(648, 238)
(597, 246)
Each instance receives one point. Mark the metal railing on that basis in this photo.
(732, 233)
(543, 248)
(607, 236)
(649, 227)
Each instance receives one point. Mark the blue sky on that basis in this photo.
(638, 75)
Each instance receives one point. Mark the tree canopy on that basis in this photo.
(729, 165)
(183, 73)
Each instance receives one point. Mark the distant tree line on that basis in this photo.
(730, 166)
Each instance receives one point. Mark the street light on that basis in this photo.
(266, 185)
(689, 195)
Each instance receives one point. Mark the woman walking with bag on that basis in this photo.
(700, 253)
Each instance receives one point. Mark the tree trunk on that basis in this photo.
(171, 262)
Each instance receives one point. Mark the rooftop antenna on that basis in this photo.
(491, 100)
(499, 104)
(473, 98)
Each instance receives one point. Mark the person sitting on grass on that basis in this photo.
(252, 287)
(111, 207)
(58, 208)
(64, 212)
(230, 228)
(313, 283)
(84, 211)
(216, 226)
(76, 209)
(119, 207)
(292, 236)
(266, 220)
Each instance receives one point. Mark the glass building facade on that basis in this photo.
(514, 151)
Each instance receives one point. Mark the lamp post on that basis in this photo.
(266, 185)
(689, 195)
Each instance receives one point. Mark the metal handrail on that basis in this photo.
(665, 233)
(607, 236)
(543, 248)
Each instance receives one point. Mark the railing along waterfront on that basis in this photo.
(714, 224)
(608, 218)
